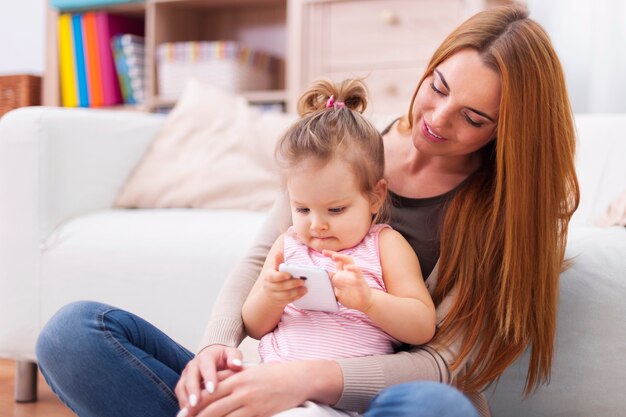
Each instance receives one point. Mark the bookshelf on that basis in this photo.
(260, 24)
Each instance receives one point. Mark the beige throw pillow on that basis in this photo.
(214, 151)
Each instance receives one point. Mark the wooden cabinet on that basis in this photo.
(260, 24)
(386, 42)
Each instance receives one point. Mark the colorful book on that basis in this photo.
(67, 65)
(79, 53)
(92, 54)
(134, 51)
(129, 53)
(108, 26)
(122, 71)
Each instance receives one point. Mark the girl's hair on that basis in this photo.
(504, 233)
(332, 126)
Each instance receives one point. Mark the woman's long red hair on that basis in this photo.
(504, 234)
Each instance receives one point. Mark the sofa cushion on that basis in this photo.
(167, 266)
(213, 151)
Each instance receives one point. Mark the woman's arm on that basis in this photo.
(225, 329)
(346, 383)
(225, 326)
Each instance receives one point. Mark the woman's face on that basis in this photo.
(456, 108)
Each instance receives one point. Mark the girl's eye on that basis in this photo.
(302, 210)
(336, 210)
(436, 90)
(472, 122)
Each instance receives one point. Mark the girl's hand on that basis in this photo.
(351, 289)
(267, 389)
(200, 374)
(280, 287)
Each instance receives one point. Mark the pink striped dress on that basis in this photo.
(305, 334)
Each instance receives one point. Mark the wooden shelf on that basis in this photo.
(260, 24)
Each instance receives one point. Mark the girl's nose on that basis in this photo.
(319, 224)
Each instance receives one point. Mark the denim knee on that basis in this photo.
(421, 399)
(67, 331)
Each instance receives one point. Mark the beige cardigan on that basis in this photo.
(364, 377)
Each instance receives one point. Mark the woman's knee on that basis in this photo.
(421, 399)
(68, 332)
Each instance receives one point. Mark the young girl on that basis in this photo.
(334, 165)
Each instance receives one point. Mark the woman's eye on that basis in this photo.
(436, 90)
(473, 122)
(303, 210)
(336, 210)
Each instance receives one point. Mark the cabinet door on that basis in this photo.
(387, 41)
(389, 90)
(385, 33)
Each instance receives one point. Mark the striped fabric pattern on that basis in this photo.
(305, 334)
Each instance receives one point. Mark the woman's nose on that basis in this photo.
(440, 116)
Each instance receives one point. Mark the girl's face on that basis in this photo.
(328, 209)
(456, 108)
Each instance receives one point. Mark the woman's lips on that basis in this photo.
(431, 135)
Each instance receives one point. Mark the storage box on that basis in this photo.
(225, 64)
(19, 91)
(87, 4)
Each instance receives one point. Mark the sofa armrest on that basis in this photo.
(55, 164)
(66, 162)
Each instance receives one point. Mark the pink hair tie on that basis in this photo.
(337, 105)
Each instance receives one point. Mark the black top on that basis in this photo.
(419, 220)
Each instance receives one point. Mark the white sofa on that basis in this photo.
(60, 241)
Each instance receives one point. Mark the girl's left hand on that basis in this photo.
(351, 289)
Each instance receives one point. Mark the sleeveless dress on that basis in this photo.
(306, 334)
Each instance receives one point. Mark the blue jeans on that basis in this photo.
(421, 399)
(103, 361)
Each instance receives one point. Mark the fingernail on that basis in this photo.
(210, 387)
(183, 413)
(193, 400)
(237, 362)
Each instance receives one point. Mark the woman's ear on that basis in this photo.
(378, 196)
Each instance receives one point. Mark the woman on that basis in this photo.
(487, 147)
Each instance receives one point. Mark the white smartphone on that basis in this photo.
(320, 295)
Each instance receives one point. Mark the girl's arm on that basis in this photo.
(405, 311)
(270, 294)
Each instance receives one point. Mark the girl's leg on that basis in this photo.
(421, 399)
(102, 361)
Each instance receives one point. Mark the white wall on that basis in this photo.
(22, 36)
(590, 38)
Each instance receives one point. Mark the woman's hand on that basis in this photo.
(351, 289)
(266, 389)
(200, 374)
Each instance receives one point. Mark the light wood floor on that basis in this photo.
(48, 404)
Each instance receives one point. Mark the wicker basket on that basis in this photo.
(226, 64)
(19, 91)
